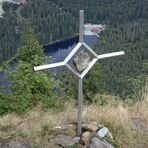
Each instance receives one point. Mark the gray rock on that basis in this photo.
(82, 60)
(15, 144)
(93, 126)
(69, 129)
(104, 132)
(86, 137)
(100, 143)
(64, 140)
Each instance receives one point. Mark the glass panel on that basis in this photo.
(80, 60)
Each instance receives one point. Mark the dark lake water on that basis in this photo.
(57, 51)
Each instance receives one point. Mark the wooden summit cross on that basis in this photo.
(85, 69)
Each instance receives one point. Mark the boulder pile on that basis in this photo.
(94, 135)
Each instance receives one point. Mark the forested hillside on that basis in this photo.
(125, 75)
(53, 20)
(56, 19)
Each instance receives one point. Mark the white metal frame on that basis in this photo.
(72, 53)
(73, 71)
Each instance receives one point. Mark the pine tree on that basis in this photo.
(29, 88)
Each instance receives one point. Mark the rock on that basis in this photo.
(64, 140)
(93, 126)
(69, 129)
(104, 132)
(86, 137)
(82, 60)
(15, 144)
(100, 143)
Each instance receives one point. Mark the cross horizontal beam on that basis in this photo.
(44, 67)
(59, 64)
(113, 54)
(64, 63)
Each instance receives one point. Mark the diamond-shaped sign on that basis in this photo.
(81, 59)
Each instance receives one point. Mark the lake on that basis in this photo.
(57, 51)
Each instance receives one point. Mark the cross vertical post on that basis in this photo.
(80, 100)
(80, 80)
(81, 26)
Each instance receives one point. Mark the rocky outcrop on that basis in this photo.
(93, 136)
